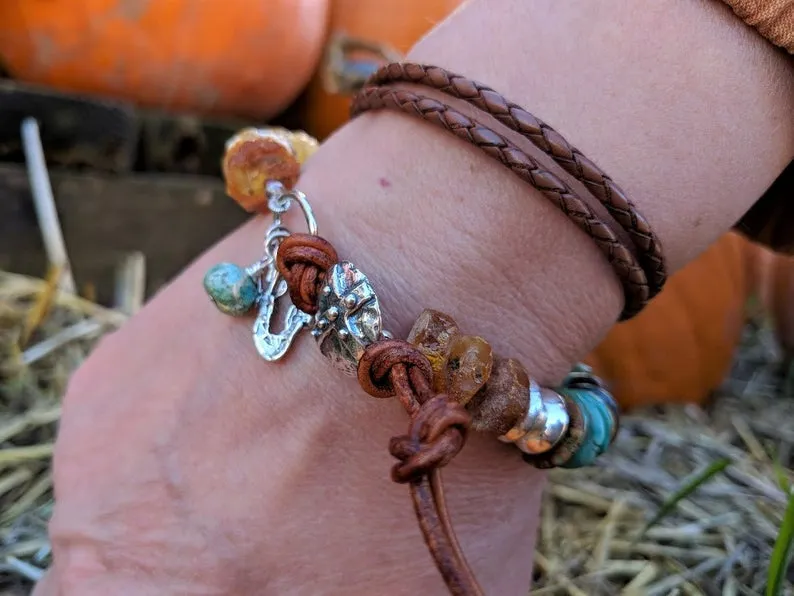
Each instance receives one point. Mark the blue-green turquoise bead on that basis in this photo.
(598, 426)
(230, 288)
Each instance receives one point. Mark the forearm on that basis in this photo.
(682, 105)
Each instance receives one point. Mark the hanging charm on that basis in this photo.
(231, 289)
(235, 290)
(273, 346)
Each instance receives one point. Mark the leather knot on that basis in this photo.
(437, 434)
(303, 260)
(375, 366)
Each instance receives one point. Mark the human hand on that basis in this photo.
(186, 465)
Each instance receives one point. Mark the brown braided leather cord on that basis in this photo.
(438, 426)
(547, 140)
(622, 259)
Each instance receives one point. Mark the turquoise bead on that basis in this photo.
(599, 424)
(230, 288)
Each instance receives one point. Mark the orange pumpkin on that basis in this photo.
(681, 347)
(364, 34)
(246, 58)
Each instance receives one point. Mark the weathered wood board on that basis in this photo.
(170, 218)
(76, 131)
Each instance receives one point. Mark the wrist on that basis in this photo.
(425, 241)
(434, 224)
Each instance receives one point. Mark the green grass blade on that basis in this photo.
(687, 489)
(781, 476)
(781, 554)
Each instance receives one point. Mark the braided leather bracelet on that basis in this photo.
(547, 140)
(447, 381)
(635, 279)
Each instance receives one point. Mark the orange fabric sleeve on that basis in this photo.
(774, 19)
(771, 220)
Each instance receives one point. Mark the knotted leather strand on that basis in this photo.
(437, 433)
(438, 426)
(303, 260)
(548, 140)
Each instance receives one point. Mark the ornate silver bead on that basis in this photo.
(348, 317)
(544, 425)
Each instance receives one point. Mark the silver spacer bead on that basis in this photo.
(343, 339)
(544, 425)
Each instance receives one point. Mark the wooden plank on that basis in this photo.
(76, 131)
(182, 143)
(170, 218)
(113, 136)
(83, 131)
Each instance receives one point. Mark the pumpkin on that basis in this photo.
(681, 347)
(247, 58)
(363, 35)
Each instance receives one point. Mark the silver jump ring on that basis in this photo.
(308, 212)
(274, 237)
(280, 200)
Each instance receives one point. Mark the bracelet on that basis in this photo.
(620, 254)
(548, 140)
(447, 381)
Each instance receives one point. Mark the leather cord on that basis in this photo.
(303, 260)
(438, 426)
(548, 140)
(437, 433)
(622, 259)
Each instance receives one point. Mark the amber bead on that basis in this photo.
(504, 400)
(432, 334)
(254, 157)
(468, 367)
(303, 144)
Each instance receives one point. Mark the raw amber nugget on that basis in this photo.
(432, 333)
(256, 156)
(503, 402)
(468, 367)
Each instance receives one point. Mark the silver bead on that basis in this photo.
(326, 290)
(544, 425)
(357, 322)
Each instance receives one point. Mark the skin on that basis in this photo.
(186, 465)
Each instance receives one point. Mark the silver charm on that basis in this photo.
(348, 318)
(545, 423)
(273, 345)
